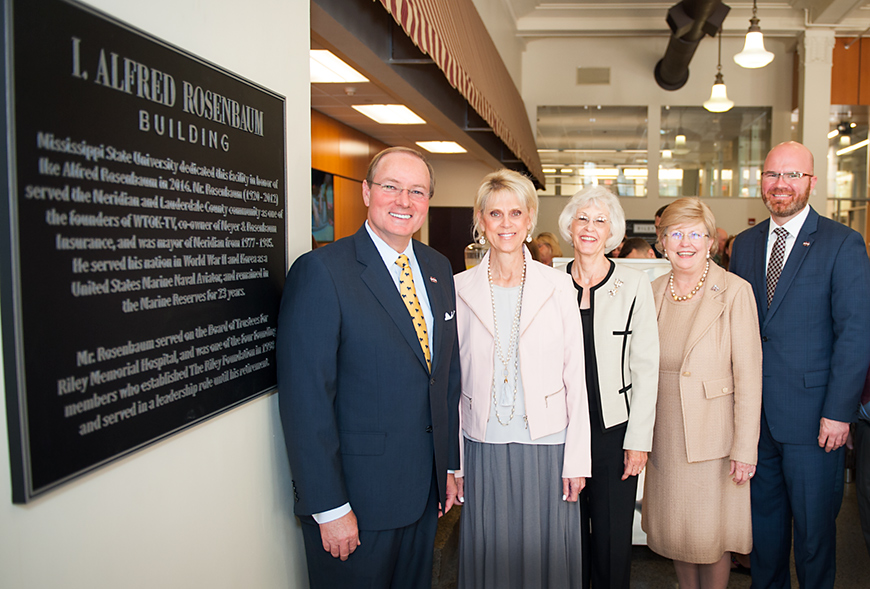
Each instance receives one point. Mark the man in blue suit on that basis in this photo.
(811, 278)
(369, 400)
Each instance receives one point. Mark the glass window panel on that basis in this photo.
(713, 154)
(847, 172)
(581, 146)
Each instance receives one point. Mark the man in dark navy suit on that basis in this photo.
(368, 382)
(811, 278)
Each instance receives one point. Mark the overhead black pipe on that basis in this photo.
(689, 21)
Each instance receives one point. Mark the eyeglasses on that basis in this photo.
(393, 190)
(791, 176)
(693, 236)
(599, 221)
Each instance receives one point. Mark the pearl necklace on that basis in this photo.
(512, 346)
(694, 290)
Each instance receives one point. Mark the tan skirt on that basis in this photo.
(692, 512)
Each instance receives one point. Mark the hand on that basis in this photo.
(634, 462)
(571, 488)
(341, 536)
(832, 434)
(460, 489)
(451, 494)
(742, 472)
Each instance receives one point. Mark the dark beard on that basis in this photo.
(788, 209)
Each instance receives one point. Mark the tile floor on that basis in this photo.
(651, 571)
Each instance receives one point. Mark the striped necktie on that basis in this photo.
(409, 297)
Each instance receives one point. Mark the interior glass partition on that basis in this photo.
(581, 146)
(847, 166)
(712, 154)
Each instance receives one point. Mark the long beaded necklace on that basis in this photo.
(694, 290)
(513, 345)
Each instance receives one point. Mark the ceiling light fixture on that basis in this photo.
(718, 101)
(326, 68)
(389, 114)
(588, 151)
(754, 55)
(680, 147)
(852, 148)
(441, 146)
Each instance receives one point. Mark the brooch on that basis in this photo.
(715, 288)
(612, 292)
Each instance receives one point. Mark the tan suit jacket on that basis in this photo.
(720, 376)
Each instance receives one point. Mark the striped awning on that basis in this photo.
(453, 35)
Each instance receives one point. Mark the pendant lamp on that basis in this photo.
(718, 101)
(754, 55)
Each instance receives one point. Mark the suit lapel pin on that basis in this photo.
(806, 244)
(715, 288)
(449, 316)
(433, 279)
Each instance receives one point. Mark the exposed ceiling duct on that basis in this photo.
(689, 21)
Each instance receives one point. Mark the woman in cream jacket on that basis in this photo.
(523, 409)
(621, 346)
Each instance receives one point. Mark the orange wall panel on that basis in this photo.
(864, 81)
(845, 72)
(345, 153)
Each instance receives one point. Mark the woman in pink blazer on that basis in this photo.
(523, 410)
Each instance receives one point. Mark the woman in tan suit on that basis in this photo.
(696, 498)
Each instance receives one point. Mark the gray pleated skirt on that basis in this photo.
(515, 530)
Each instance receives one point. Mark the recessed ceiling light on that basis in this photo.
(441, 146)
(389, 114)
(549, 170)
(326, 68)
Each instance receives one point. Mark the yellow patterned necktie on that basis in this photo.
(409, 297)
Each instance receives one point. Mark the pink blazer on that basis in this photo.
(551, 358)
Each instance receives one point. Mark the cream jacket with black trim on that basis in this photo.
(627, 353)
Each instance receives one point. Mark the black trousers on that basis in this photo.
(607, 510)
(385, 559)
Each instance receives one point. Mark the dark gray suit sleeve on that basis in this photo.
(308, 338)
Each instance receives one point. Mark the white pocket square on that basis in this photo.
(449, 316)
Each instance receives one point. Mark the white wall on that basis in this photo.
(210, 507)
(501, 26)
(456, 184)
(549, 67)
